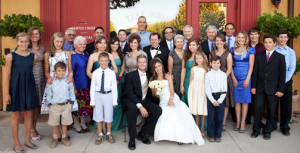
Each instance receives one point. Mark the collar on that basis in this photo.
(229, 37)
(271, 52)
(66, 42)
(123, 43)
(103, 69)
(285, 47)
(141, 32)
(155, 48)
(169, 41)
(215, 71)
(209, 42)
(141, 73)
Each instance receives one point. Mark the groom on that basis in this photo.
(138, 99)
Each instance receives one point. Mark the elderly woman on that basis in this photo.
(134, 50)
(175, 62)
(82, 84)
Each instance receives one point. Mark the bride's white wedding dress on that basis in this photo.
(176, 123)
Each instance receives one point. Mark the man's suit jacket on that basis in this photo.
(269, 76)
(163, 56)
(133, 89)
(125, 50)
(205, 48)
(165, 44)
(90, 48)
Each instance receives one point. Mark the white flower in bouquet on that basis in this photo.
(156, 84)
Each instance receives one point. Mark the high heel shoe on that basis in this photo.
(236, 128)
(18, 151)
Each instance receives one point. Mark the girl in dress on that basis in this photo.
(20, 93)
(36, 48)
(56, 54)
(176, 122)
(115, 50)
(197, 96)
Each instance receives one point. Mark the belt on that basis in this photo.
(62, 103)
(104, 92)
(219, 93)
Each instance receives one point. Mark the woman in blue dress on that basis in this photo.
(101, 45)
(20, 93)
(82, 84)
(243, 61)
(115, 50)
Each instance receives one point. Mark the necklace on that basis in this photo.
(36, 47)
(241, 51)
(26, 54)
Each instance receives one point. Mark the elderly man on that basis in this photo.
(99, 31)
(209, 43)
(188, 33)
(155, 50)
(69, 37)
(142, 31)
(230, 39)
(122, 35)
(169, 36)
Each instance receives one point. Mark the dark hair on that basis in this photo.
(254, 29)
(153, 63)
(270, 36)
(131, 38)
(112, 41)
(103, 54)
(30, 32)
(215, 58)
(98, 40)
(61, 65)
(113, 34)
(154, 34)
(223, 38)
(98, 28)
(230, 24)
(141, 56)
(123, 31)
(281, 32)
(187, 54)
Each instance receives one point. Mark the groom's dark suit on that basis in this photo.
(133, 95)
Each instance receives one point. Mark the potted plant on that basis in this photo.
(10, 26)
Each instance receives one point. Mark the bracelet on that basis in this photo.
(119, 78)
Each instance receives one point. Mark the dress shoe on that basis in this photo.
(210, 139)
(254, 134)
(142, 136)
(267, 136)
(131, 144)
(286, 133)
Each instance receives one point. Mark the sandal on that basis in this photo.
(224, 128)
(79, 131)
(236, 128)
(38, 138)
(30, 147)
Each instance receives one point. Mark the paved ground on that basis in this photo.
(232, 141)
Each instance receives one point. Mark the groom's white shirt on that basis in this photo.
(144, 85)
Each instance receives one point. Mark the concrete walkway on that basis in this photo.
(232, 141)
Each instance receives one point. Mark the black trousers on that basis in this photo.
(286, 107)
(259, 101)
(131, 110)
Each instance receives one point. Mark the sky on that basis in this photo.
(153, 10)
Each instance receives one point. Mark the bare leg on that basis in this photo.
(35, 115)
(21, 118)
(108, 127)
(64, 130)
(28, 125)
(197, 117)
(99, 126)
(76, 123)
(55, 129)
(238, 114)
(202, 124)
(225, 118)
(244, 115)
(15, 129)
(82, 122)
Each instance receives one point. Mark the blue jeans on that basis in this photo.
(215, 118)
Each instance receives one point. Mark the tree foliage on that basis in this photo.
(111, 26)
(12, 25)
(114, 4)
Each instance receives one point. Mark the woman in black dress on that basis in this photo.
(20, 95)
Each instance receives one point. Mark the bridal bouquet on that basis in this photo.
(156, 84)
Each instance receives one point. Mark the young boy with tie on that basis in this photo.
(268, 81)
(216, 89)
(104, 96)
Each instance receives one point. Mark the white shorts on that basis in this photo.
(104, 108)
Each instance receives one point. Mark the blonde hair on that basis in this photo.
(205, 61)
(21, 34)
(52, 48)
(246, 37)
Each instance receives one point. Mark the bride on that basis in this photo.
(176, 122)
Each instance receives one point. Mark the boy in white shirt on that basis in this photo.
(104, 97)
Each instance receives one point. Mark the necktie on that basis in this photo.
(171, 47)
(71, 47)
(213, 46)
(228, 43)
(268, 57)
(122, 47)
(102, 82)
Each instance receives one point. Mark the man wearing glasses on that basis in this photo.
(168, 42)
(70, 35)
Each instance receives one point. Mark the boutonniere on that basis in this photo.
(158, 52)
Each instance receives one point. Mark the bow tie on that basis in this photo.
(152, 48)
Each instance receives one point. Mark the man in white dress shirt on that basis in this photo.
(230, 39)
